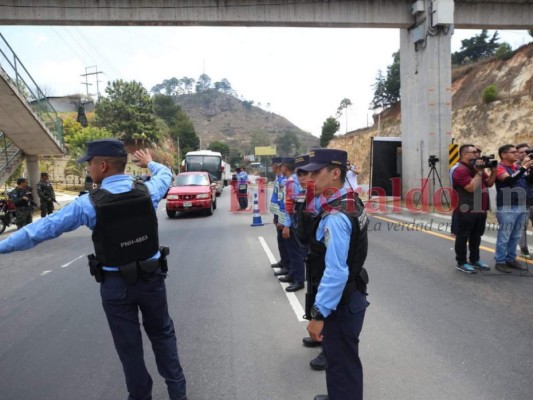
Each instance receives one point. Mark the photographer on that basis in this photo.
(524, 152)
(471, 184)
(511, 189)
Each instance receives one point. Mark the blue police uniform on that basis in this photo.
(296, 251)
(275, 210)
(340, 302)
(121, 302)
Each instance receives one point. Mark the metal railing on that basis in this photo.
(8, 152)
(22, 80)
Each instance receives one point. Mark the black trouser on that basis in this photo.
(47, 207)
(344, 374)
(470, 228)
(121, 304)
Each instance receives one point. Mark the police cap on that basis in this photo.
(104, 148)
(287, 160)
(276, 160)
(300, 161)
(321, 158)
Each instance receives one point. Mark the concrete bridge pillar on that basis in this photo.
(34, 175)
(426, 93)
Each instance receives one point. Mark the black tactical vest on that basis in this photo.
(351, 206)
(303, 221)
(126, 226)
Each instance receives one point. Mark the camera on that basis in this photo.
(489, 161)
(433, 160)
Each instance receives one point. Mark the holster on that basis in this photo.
(95, 268)
(165, 251)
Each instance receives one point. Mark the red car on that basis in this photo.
(192, 191)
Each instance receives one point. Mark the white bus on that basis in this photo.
(208, 161)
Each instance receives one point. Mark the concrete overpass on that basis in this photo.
(425, 41)
(26, 132)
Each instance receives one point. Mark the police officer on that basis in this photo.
(23, 200)
(338, 248)
(284, 262)
(242, 185)
(297, 252)
(46, 194)
(127, 261)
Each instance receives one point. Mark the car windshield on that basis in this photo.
(191, 180)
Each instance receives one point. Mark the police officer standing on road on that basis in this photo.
(23, 200)
(128, 260)
(338, 250)
(46, 195)
(284, 263)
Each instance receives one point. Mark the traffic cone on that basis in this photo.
(256, 221)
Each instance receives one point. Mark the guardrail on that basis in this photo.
(21, 78)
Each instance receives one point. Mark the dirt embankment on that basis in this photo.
(506, 120)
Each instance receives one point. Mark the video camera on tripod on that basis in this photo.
(432, 160)
(489, 161)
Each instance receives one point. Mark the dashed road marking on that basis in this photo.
(70, 262)
(46, 272)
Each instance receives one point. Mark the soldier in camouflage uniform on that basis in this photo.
(46, 195)
(23, 200)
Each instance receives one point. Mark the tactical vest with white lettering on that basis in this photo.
(126, 226)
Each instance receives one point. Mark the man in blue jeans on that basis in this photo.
(511, 192)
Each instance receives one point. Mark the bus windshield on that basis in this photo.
(210, 164)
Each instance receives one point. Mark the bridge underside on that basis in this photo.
(487, 14)
(20, 123)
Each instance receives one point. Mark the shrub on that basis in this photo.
(490, 94)
(504, 52)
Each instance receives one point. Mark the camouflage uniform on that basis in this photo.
(24, 207)
(46, 196)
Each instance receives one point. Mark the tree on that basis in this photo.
(287, 144)
(78, 139)
(329, 128)
(183, 132)
(345, 103)
(127, 111)
(222, 148)
(392, 82)
(165, 108)
(380, 97)
(223, 86)
(203, 84)
(476, 47)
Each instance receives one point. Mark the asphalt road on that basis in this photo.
(431, 332)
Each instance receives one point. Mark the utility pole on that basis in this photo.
(86, 75)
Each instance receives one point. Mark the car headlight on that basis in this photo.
(172, 197)
(202, 196)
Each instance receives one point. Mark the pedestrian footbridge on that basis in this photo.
(29, 125)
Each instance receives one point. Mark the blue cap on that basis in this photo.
(104, 148)
(276, 160)
(320, 158)
(300, 161)
(287, 160)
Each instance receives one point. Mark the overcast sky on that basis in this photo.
(302, 73)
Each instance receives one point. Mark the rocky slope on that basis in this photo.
(506, 120)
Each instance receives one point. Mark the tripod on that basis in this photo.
(433, 160)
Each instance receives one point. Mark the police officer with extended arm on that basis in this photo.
(128, 262)
(46, 194)
(23, 200)
(338, 249)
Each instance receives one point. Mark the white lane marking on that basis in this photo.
(46, 272)
(71, 261)
(293, 300)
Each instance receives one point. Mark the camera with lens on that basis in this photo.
(433, 160)
(489, 161)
